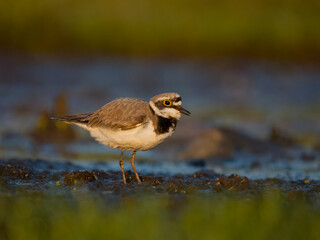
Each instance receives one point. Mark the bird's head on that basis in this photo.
(168, 105)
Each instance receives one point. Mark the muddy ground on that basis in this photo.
(54, 178)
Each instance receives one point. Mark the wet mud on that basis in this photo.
(64, 178)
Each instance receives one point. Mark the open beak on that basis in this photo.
(185, 111)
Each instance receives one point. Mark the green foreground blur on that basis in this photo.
(34, 217)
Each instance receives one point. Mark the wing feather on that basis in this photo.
(122, 113)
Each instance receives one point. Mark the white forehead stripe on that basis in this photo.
(163, 98)
(176, 103)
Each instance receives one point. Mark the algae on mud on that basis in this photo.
(61, 178)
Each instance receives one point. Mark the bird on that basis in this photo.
(132, 124)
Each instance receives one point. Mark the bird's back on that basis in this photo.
(120, 114)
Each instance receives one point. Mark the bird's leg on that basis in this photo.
(133, 167)
(121, 166)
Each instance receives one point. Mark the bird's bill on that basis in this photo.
(185, 111)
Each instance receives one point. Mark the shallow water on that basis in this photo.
(248, 96)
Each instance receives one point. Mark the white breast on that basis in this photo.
(142, 138)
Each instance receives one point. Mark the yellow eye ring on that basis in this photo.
(167, 103)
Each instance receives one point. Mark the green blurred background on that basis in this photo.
(287, 29)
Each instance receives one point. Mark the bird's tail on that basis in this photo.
(75, 119)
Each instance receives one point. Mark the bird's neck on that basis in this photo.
(162, 125)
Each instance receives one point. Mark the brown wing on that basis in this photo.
(122, 113)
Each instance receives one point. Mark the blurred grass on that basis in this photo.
(269, 29)
(30, 216)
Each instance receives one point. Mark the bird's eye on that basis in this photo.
(167, 103)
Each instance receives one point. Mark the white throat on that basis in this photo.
(166, 112)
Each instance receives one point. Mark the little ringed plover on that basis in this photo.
(132, 124)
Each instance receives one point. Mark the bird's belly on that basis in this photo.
(139, 139)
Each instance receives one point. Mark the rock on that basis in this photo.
(222, 143)
(281, 138)
(207, 144)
